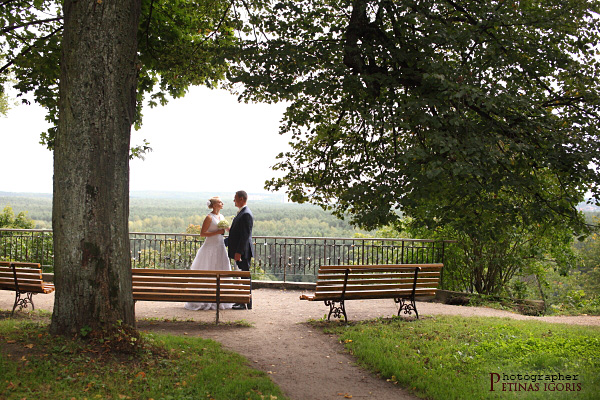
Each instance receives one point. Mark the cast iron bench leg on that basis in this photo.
(412, 306)
(22, 302)
(407, 305)
(337, 311)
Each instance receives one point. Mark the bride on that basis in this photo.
(212, 255)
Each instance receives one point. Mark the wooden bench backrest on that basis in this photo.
(377, 281)
(190, 285)
(29, 277)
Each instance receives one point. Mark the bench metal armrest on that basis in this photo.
(414, 289)
(14, 269)
(345, 283)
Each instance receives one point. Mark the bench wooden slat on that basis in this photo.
(20, 276)
(186, 297)
(187, 272)
(191, 293)
(21, 269)
(381, 267)
(183, 280)
(245, 290)
(187, 281)
(376, 281)
(392, 293)
(191, 286)
(10, 284)
(360, 288)
(358, 273)
(45, 288)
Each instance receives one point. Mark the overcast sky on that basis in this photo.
(204, 142)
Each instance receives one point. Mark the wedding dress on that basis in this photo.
(211, 256)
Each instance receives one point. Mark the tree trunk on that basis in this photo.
(91, 165)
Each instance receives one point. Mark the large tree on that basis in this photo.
(91, 186)
(394, 103)
(104, 56)
(477, 116)
(440, 109)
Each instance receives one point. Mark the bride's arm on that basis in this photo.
(206, 225)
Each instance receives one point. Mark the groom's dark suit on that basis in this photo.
(240, 238)
(240, 241)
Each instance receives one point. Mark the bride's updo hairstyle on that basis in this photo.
(212, 201)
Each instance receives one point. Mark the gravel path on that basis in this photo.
(304, 362)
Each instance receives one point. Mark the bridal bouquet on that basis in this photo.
(223, 224)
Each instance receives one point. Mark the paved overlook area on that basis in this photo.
(304, 362)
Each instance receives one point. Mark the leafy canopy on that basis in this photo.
(443, 110)
(180, 43)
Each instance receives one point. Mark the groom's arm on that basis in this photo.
(245, 231)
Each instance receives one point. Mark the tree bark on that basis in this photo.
(91, 165)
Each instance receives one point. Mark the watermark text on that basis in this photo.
(500, 382)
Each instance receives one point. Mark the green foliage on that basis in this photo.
(20, 221)
(475, 115)
(451, 357)
(579, 291)
(180, 43)
(30, 42)
(3, 104)
(573, 294)
(489, 253)
(589, 254)
(39, 208)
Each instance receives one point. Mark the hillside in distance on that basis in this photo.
(173, 212)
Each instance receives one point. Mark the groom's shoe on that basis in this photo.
(239, 307)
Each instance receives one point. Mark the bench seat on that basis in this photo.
(25, 279)
(401, 282)
(192, 286)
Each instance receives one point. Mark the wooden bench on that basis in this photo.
(25, 279)
(403, 283)
(192, 285)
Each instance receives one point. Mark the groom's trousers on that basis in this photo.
(244, 265)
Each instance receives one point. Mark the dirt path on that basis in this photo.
(305, 363)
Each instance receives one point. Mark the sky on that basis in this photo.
(204, 142)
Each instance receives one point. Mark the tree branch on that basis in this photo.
(29, 48)
(38, 22)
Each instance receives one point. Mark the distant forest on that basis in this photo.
(173, 212)
(273, 216)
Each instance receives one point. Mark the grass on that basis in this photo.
(238, 323)
(36, 365)
(450, 357)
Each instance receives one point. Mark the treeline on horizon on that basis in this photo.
(175, 215)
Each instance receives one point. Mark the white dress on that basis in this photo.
(211, 256)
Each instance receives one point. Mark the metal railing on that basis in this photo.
(27, 245)
(293, 259)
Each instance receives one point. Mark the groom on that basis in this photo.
(239, 243)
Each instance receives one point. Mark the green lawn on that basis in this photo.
(450, 357)
(443, 357)
(36, 365)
